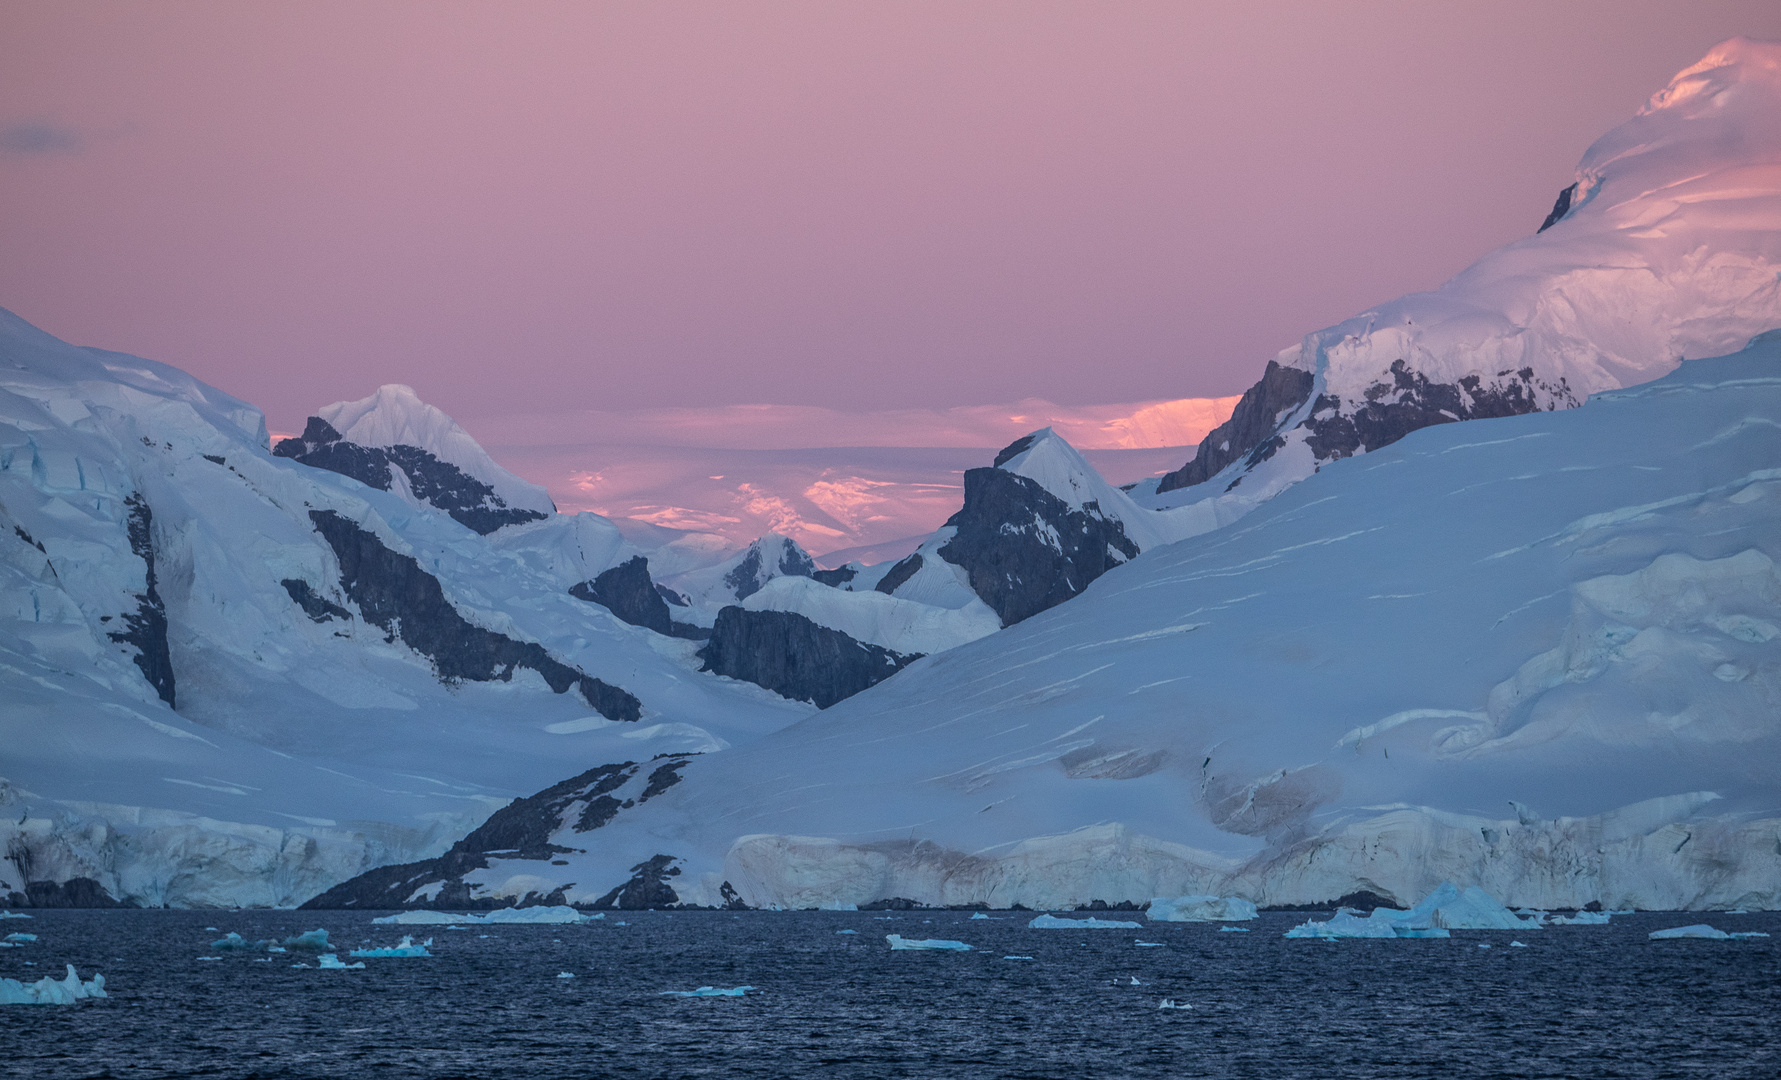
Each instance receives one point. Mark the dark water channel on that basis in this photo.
(1578, 1002)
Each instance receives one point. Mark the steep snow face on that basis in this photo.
(709, 589)
(395, 415)
(357, 680)
(1667, 246)
(1577, 611)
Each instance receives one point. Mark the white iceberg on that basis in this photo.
(1582, 918)
(1169, 1003)
(425, 918)
(1701, 930)
(48, 991)
(1451, 908)
(528, 916)
(898, 942)
(1233, 929)
(1517, 945)
(330, 961)
(18, 938)
(708, 991)
(406, 948)
(12, 915)
(1200, 909)
(560, 974)
(1052, 922)
(311, 940)
(980, 915)
(1348, 923)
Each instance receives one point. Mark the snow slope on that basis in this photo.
(1667, 246)
(1577, 611)
(204, 705)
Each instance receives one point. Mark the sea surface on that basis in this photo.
(1576, 1002)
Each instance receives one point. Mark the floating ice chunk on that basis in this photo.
(1737, 935)
(1169, 1003)
(18, 938)
(1516, 945)
(847, 931)
(535, 916)
(899, 942)
(1698, 930)
(406, 948)
(1017, 958)
(48, 991)
(329, 961)
(233, 942)
(210, 958)
(310, 941)
(708, 991)
(1200, 909)
(424, 918)
(1451, 908)
(1347, 923)
(1134, 982)
(12, 915)
(1148, 944)
(979, 915)
(1233, 929)
(560, 974)
(1484, 946)
(1052, 922)
(1582, 918)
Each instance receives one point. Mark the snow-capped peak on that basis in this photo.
(1048, 459)
(394, 415)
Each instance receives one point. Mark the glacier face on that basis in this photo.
(1575, 611)
(155, 556)
(1669, 247)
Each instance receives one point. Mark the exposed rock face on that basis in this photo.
(626, 591)
(794, 657)
(147, 625)
(1559, 208)
(898, 574)
(395, 594)
(1024, 548)
(746, 577)
(648, 887)
(837, 577)
(526, 828)
(437, 483)
(1258, 414)
(319, 608)
(80, 892)
(1409, 401)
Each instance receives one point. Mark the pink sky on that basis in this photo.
(555, 208)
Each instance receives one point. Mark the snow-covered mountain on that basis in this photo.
(394, 441)
(1541, 655)
(227, 677)
(1667, 245)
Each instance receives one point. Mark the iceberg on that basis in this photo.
(310, 941)
(1348, 923)
(1200, 909)
(1582, 918)
(329, 961)
(980, 915)
(1450, 908)
(560, 974)
(530, 916)
(12, 915)
(1701, 930)
(899, 942)
(425, 918)
(708, 991)
(1052, 922)
(406, 948)
(1169, 1003)
(1517, 945)
(48, 991)
(20, 938)
(1233, 929)
(234, 942)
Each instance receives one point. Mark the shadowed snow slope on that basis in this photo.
(1578, 611)
(357, 680)
(1667, 246)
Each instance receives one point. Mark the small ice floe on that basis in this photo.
(979, 915)
(1134, 982)
(1017, 958)
(210, 958)
(708, 991)
(299, 964)
(543, 915)
(1582, 918)
(19, 939)
(1052, 922)
(406, 948)
(1148, 944)
(212, 929)
(1233, 929)
(48, 991)
(309, 941)
(1516, 945)
(1447, 908)
(1169, 1003)
(1200, 909)
(12, 915)
(329, 961)
(899, 942)
(560, 974)
(847, 931)
(1484, 946)
(233, 942)
(1700, 930)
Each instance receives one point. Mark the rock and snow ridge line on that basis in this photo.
(1666, 246)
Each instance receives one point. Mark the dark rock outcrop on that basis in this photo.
(437, 483)
(80, 892)
(395, 594)
(894, 578)
(794, 657)
(1024, 548)
(626, 591)
(746, 577)
(146, 627)
(523, 829)
(648, 888)
(1559, 208)
(319, 608)
(1410, 401)
(1252, 425)
(837, 577)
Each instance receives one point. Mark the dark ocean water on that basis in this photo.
(1579, 1002)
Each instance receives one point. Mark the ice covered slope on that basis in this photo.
(1668, 245)
(1578, 611)
(396, 442)
(227, 677)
